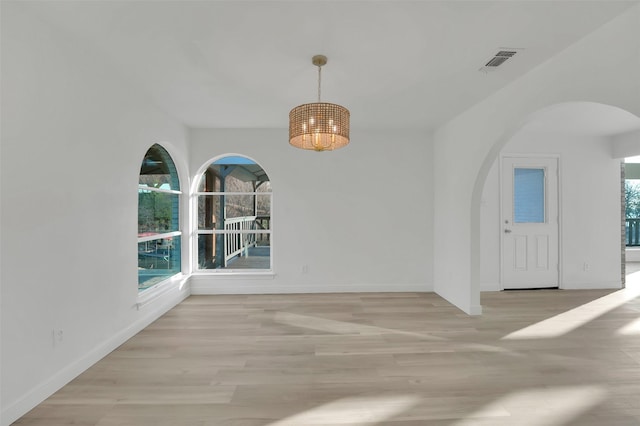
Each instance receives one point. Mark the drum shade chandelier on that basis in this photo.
(319, 126)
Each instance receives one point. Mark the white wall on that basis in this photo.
(589, 206)
(490, 232)
(73, 138)
(360, 217)
(626, 144)
(474, 139)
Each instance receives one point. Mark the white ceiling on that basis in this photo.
(392, 63)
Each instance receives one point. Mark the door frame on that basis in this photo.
(501, 197)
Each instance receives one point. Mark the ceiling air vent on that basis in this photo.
(500, 57)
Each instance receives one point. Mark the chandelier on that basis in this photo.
(319, 126)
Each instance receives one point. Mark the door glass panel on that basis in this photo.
(528, 195)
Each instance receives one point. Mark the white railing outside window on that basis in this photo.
(237, 239)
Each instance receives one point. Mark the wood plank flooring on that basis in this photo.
(365, 359)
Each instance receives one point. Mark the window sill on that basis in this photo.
(237, 274)
(152, 293)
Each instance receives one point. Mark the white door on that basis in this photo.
(529, 223)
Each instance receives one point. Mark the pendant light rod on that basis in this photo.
(319, 61)
(319, 80)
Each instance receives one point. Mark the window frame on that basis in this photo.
(174, 175)
(197, 232)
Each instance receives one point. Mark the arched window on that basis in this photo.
(158, 218)
(234, 216)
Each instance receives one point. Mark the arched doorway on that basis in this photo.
(583, 136)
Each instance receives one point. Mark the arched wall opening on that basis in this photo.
(565, 130)
(473, 139)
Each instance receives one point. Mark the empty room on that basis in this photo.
(276, 213)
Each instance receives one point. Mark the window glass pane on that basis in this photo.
(208, 211)
(157, 260)
(213, 207)
(263, 205)
(158, 170)
(233, 184)
(209, 182)
(264, 187)
(234, 160)
(528, 195)
(234, 174)
(240, 219)
(207, 251)
(157, 212)
(263, 223)
(234, 250)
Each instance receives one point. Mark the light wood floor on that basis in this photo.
(369, 359)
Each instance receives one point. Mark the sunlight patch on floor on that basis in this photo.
(537, 407)
(361, 411)
(566, 322)
(631, 329)
(349, 328)
(341, 327)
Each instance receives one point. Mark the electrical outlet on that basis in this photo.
(305, 269)
(586, 266)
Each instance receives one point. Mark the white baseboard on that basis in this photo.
(161, 305)
(475, 310)
(596, 285)
(490, 287)
(212, 286)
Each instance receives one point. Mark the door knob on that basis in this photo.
(507, 231)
